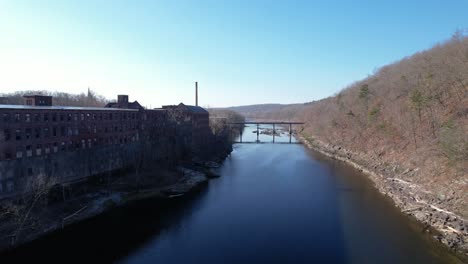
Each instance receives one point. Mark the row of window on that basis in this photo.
(39, 149)
(54, 117)
(46, 132)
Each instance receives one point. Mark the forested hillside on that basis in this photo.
(410, 115)
(91, 99)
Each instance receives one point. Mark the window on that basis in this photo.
(55, 147)
(75, 117)
(6, 134)
(46, 117)
(28, 151)
(82, 117)
(27, 118)
(54, 131)
(8, 155)
(29, 102)
(69, 117)
(38, 149)
(30, 171)
(28, 133)
(47, 149)
(37, 132)
(62, 117)
(63, 131)
(18, 134)
(10, 186)
(54, 117)
(17, 117)
(19, 152)
(6, 118)
(46, 132)
(37, 117)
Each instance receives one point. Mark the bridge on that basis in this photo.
(241, 125)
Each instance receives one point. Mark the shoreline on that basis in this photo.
(449, 228)
(195, 175)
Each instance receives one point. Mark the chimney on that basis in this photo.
(122, 101)
(196, 93)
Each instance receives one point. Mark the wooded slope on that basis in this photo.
(412, 114)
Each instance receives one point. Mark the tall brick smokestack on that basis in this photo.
(196, 93)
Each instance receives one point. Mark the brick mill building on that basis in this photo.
(73, 143)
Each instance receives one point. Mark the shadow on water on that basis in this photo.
(110, 236)
(374, 228)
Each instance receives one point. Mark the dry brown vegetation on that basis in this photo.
(412, 114)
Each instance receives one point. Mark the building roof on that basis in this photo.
(196, 109)
(32, 107)
(191, 108)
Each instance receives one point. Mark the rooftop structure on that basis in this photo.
(38, 100)
(122, 102)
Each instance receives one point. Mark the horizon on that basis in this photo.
(240, 53)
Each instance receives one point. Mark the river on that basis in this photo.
(274, 203)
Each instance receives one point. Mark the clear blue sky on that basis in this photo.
(240, 52)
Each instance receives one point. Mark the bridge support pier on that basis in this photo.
(258, 132)
(290, 132)
(274, 132)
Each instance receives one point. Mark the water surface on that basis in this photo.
(275, 203)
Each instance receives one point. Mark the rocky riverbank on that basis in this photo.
(412, 199)
(41, 221)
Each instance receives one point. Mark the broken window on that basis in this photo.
(28, 133)
(28, 151)
(37, 132)
(19, 152)
(18, 134)
(38, 149)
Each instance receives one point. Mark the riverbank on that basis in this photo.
(160, 185)
(428, 208)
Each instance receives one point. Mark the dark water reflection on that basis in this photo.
(275, 203)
